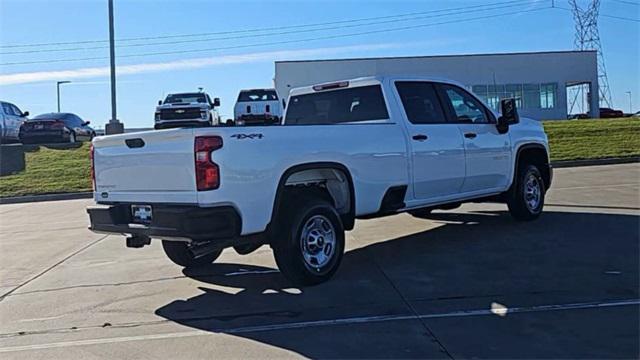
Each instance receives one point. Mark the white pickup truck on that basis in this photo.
(351, 149)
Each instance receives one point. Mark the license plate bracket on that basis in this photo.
(141, 214)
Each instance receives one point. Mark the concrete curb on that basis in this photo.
(89, 194)
(594, 162)
(46, 197)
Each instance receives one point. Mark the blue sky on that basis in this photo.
(142, 80)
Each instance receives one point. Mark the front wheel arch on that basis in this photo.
(533, 154)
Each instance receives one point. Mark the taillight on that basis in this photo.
(207, 172)
(268, 109)
(93, 168)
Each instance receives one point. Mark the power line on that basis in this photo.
(266, 28)
(267, 35)
(627, 2)
(605, 15)
(329, 37)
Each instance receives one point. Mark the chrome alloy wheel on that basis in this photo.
(318, 243)
(532, 193)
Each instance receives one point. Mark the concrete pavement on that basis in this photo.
(469, 282)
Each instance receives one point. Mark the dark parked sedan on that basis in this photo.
(607, 113)
(56, 127)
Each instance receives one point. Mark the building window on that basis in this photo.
(531, 96)
(548, 96)
(480, 91)
(528, 96)
(514, 91)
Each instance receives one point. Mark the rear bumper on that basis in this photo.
(171, 222)
(44, 137)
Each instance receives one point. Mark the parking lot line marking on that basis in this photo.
(3, 296)
(321, 323)
(593, 186)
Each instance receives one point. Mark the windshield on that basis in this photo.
(186, 98)
(258, 95)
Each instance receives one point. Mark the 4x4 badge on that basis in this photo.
(247, 136)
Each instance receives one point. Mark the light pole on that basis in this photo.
(58, 88)
(113, 126)
(630, 104)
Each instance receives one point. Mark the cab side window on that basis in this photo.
(465, 108)
(16, 111)
(420, 102)
(9, 109)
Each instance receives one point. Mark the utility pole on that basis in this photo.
(630, 104)
(114, 126)
(58, 90)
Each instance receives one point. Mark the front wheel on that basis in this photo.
(310, 241)
(526, 197)
(72, 137)
(180, 254)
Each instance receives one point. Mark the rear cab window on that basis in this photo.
(257, 95)
(356, 104)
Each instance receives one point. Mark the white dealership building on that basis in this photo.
(538, 80)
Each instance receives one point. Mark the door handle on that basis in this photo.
(470, 135)
(420, 137)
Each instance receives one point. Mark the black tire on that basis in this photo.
(520, 198)
(288, 242)
(179, 253)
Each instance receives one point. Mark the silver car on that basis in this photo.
(11, 118)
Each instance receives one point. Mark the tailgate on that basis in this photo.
(154, 166)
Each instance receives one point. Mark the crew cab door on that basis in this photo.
(436, 145)
(488, 153)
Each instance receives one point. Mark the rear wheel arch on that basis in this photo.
(310, 177)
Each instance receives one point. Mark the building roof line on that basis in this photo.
(445, 56)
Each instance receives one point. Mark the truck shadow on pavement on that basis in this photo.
(469, 262)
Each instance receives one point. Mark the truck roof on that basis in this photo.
(368, 80)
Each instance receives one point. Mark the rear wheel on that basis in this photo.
(526, 196)
(309, 243)
(180, 254)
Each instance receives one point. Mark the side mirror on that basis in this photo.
(216, 101)
(159, 102)
(87, 122)
(25, 114)
(509, 115)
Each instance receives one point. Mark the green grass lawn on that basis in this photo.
(52, 170)
(593, 139)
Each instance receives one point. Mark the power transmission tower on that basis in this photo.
(588, 38)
